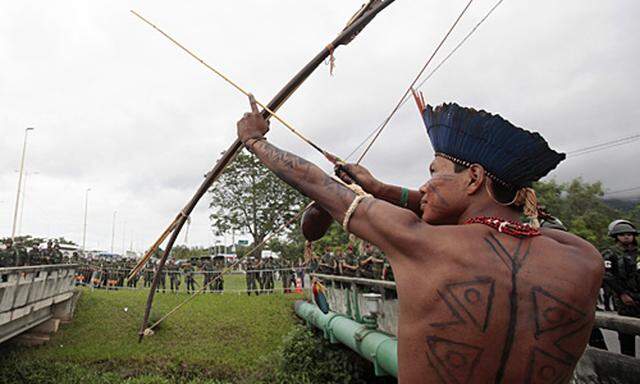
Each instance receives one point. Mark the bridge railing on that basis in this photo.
(28, 293)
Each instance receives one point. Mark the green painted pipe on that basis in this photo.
(377, 347)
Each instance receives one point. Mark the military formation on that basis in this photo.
(31, 251)
(363, 261)
(261, 274)
(114, 274)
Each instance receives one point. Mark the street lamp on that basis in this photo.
(24, 197)
(84, 226)
(113, 230)
(15, 211)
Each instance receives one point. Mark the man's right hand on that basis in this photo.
(353, 173)
(627, 300)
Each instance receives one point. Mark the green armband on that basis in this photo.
(404, 197)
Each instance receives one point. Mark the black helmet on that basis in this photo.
(618, 227)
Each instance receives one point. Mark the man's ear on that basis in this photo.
(476, 179)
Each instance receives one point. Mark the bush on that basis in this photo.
(307, 358)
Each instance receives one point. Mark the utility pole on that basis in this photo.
(84, 226)
(24, 196)
(124, 227)
(15, 211)
(113, 230)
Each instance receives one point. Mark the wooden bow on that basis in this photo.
(355, 25)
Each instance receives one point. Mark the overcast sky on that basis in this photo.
(117, 108)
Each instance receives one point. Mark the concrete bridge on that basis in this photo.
(36, 299)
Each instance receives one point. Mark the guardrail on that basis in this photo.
(32, 295)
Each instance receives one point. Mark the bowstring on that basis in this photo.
(420, 84)
(415, 80)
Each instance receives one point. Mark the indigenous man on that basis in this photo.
(622, 276)
(502, 301)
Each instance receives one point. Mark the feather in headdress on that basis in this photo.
(319, 296)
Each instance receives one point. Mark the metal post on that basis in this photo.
(124, 227)
(113, 230)
(84, 226)
(15, 211)
(24, 196)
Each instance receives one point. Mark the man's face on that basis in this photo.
(626, 238)
(443, 194)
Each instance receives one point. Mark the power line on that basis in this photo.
(606, 145)
(622, 191)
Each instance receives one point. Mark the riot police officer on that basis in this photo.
(622, 276)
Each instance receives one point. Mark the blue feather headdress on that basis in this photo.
(511, 156)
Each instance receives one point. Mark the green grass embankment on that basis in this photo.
(216, 338)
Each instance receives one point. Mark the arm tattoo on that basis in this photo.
(469, 305)
(305, 177)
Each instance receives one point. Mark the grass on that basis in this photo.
(228, 337)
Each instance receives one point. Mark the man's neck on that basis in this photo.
(491, 209)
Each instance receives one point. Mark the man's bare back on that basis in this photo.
(476, 305)
(488, 307)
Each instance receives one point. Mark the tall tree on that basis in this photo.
(580, 207)
(249, 198)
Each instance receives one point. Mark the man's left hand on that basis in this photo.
(252, 125)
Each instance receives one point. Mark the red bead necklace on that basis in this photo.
(508, 227)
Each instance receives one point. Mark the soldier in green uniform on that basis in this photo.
(8, 255)
(251, 276)
(174, 276)
(286, 272)
(350, 264)
(162, 280)
(56, 255)
(371, 263)
(622, 276)
(327, 263)
(218, 265)
(267, 274)
(207, 269)
(188, 278)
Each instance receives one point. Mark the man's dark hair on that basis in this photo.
(501, 193)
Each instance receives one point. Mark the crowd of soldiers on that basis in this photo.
(262, 273)
(31, 252)
(115, 274)
(364, 261)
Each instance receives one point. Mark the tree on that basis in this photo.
(580, 207)
(249, 198)
(184, 252)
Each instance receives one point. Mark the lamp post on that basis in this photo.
(15, 211)
(124, 228)
(24, 197)
(113, 230)
(84, 226)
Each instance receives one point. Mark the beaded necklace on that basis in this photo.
(508, 227)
